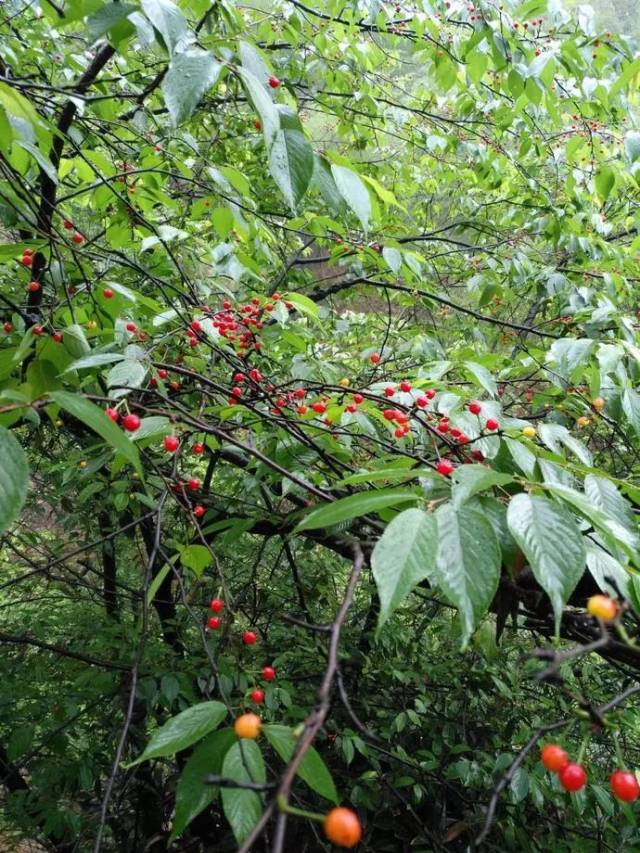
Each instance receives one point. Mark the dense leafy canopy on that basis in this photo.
(326, 310)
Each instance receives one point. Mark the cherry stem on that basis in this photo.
(284, 806)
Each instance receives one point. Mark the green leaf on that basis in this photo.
(127, 374)
(106, 17)
(75, 341)
(471, 479)
(632, 145)
(393, 258)
(94, 360)
(183, 730)
(171, 24)
(14, 478)
(303, 304)
(604, 495)
(192, 795)
(355, 505)
(605, 180)
(96, 419)
(291, 160)
(404, 555)
(189, 76)
(312, 768)
(482, 376)
(467, 563)
(603, 566)
(354, 192)
(197, 558)
(154, 426)
(549, 537)
(631, 407)
(243, 763)
(263, 103)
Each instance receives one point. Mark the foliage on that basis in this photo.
(373, 266)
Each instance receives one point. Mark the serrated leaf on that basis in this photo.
(604, 495)
(14, 478)
(354, 506)
(392, 257)
(467, 563)
(263, 103)
(189, 76)
(605, 180)
(127, 374)
(192, 795)
(602, 565)
(106, 17)
(183, 730)
(631, 407)
(155, 425)
(404, 555)
(482, 376)
(312, 769)
(196, 558)
(632, 145)
(242, 808)
(549, 537)
(353, 190)
(471, 479)
(169, 21)
(75, 341)
(96, 419)
(291, 160)
(96, 359)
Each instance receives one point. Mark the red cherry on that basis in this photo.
(199, 511)
(113, 414)
(162, 373)
(374, 358)
(213, 623)
(107, 293)
(389, 392)
(554, 757)
(28, 252)
(430, 393)
(255, 375)
(38, 330)
(195, 326)
(492, 424)
(8, 328)
(463, 439)
(299, 393)
(131, 327)
(171, 443)
(236, 391)
(405, 386)
(26, 260)
(444, 467)
(443, 427)
(198, 448)
(77, 238)
(573, 777)
(402, 418)
(456, 432)
(422, 402)
(399, 432)
(478, 455)
(249, 638)
(33, 286)
(389, 414)
(475, 408)
(257, 696)
(624, 785)
(319, 407)
(258, 126)
(226, 305)
(216, 605)
(57, 337)
(268, 673)
(131, 423)
(193, 484)
(274, 82)
(238, 377)
(358, 398)
(68, 224)
(302, 410)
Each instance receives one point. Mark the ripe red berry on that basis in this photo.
(112, 413)
(399, 432)
(430, 393)
(389, 392)
(351, 408)
(374, 358)
(38, 330)
(319, 408)
(213, 623)
(257, 696)
(358, 398)
(131, 423)
(249, 638)
(57, 337)
(68, 224)
(405, 386)
(199, 511)
(162, 373)
(171, 443)
(274, 82)
(475, 408)
(216, 605)
(389, 414)
(8, 328)
(226, 305)
(107, 293)
(492, 424)
(198, 448)
(302, 410)
(255, 375)
(444, 467)
(26, 260)
(257, 124)
(299, 393)
(33, 286)
(238, 377)
(193, 484)
(195, 326)
(443, 426)
(422, 402)
(131, 327)
(573, 777)
(624, 785)
(554, 757)
(77, 238)
(268, 673)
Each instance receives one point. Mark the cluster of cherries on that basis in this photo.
(249, 638)
(573, 777)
